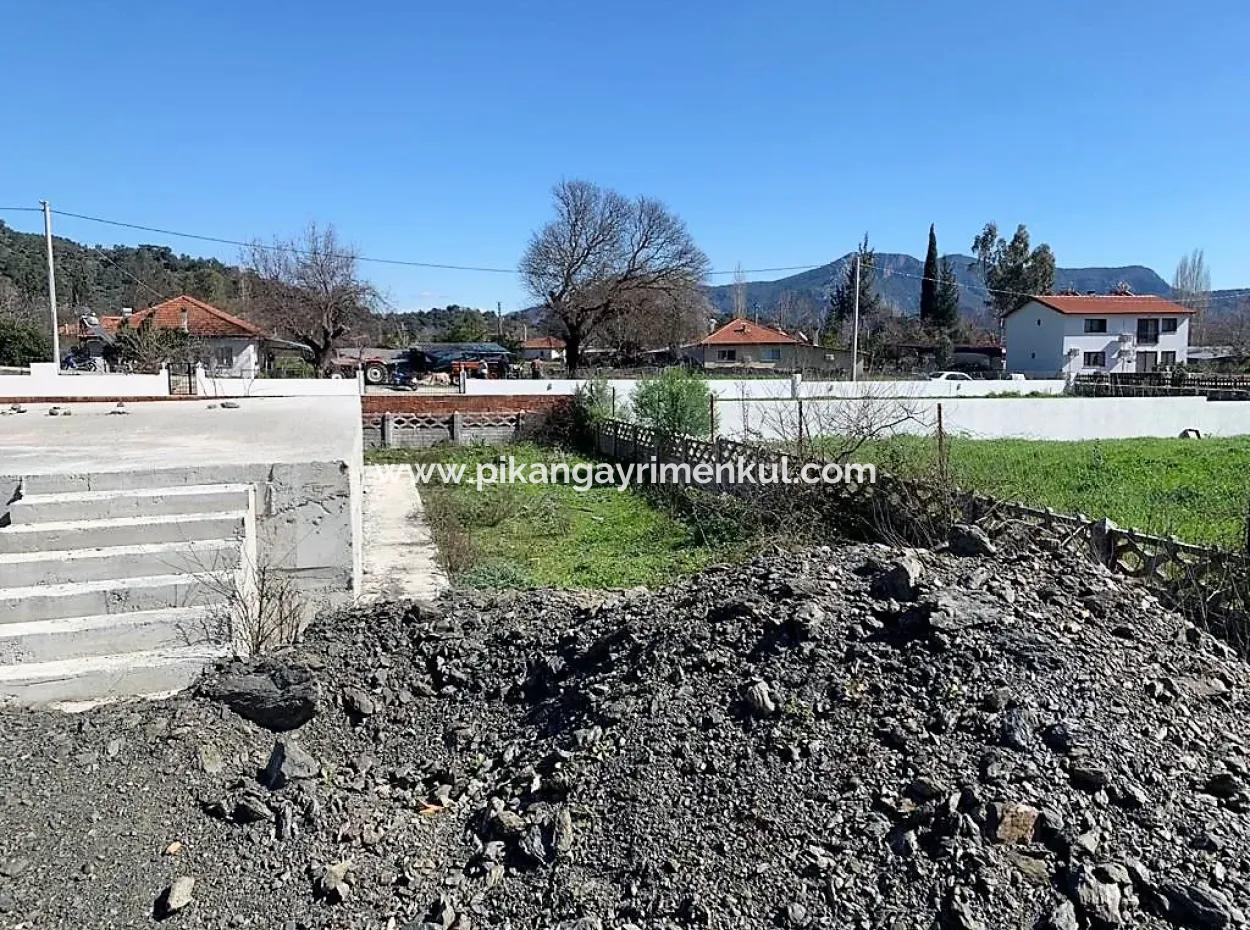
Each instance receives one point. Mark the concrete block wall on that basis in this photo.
(421, 422)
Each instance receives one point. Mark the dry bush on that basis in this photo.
(452, 539)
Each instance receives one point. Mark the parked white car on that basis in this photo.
(950, 376)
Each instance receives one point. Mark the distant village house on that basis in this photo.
(543, 349)
(226, 345)
(742, 344)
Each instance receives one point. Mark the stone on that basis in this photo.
(1098, 901)
(1062, 917)
(251, 809)
(176, 897)
(562, 832)
(1200, 907)
(968, 540)
(210, 759)
(1012, 823)
(899, 579)
(287, 763)
(358, 704)
(1223, 785)
(759, 699)
(268, 692)
(508, 824)
(1088, 778)
(330, 882)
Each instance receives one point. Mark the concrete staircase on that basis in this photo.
(118, 585)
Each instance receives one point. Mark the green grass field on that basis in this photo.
(522, 536)
(1196, 489)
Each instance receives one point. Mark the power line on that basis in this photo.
(220, 240)
(281, 248)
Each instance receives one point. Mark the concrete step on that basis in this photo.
(112, 596)
(136, 674)
(22, 569)
(110, 634)
(106, 505)
(125, 531)
(130, 479)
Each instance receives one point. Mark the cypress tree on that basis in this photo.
(929, 286)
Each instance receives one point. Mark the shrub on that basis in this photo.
(675, 402)
(22, 343)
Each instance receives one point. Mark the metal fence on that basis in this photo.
(1200, 579)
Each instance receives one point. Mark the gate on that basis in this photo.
(182, 380)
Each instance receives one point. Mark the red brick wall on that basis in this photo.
(460, 403)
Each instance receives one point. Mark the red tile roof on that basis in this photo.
(202, 319)
(543, 342)
(1109, 304)
(745, 333)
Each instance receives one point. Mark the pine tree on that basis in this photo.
(929, 283)
(946, 302)
(842, 300)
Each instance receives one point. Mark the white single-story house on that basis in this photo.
(227, 345)
(743, 344)
(543, 349)
(1064, 335)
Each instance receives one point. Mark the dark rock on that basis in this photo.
(899, 579)
(288, 763)
(267, 691)
(1200, 907)
(1088, 778)
(967, 540)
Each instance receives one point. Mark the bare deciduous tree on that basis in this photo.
(1191, 287)
(309, 289)
(740, 292)
(604, 253)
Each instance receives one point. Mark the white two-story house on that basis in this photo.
(1064, 335)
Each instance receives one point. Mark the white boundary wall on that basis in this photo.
(727, 388)
(1066, 418)
(206, 386)
(45, 380)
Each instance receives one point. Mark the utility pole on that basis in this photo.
(47, 235)
(855, 327)
(499, 316)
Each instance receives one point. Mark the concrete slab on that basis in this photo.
(160, 434)
(400, 559)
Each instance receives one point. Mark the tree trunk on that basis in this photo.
(572, 351)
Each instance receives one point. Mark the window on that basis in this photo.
(1095, 326)
(1095, 359)
(726, 355)
(223, 357)
(1167, 358)
(1169, 325)
(770, 354)
(1148, 331)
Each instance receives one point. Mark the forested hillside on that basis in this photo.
(107, 278)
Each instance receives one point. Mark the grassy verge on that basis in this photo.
(1197, 490)
(522, 536)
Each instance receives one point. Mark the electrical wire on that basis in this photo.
(220, 240)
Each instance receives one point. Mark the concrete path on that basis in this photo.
(400, 559)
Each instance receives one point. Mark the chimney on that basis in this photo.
(126, 311)
(182, 320)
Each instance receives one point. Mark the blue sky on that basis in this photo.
(1118, 132)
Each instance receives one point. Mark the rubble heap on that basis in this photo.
(855, 738)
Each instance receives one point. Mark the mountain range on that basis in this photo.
(898, 278)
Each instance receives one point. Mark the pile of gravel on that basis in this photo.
(851, 738)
